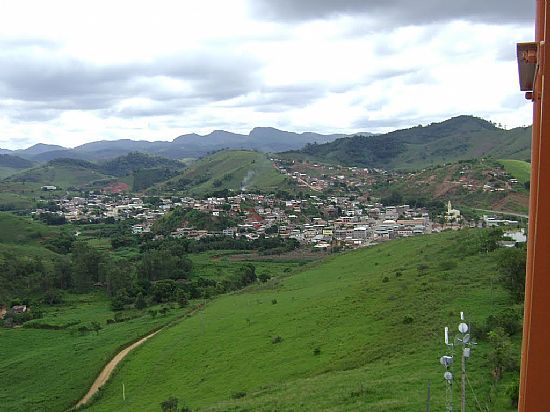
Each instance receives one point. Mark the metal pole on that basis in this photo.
(463, 398)
(428, 400)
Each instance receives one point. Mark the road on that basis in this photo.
(499, 212)
(105, 374)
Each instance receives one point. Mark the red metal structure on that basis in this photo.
(535, 360)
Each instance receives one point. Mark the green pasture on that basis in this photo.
(360, 331)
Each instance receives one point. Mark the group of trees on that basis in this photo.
(195, 218)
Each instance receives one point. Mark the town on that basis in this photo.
(322, 222)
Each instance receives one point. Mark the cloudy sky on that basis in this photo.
(77, 71)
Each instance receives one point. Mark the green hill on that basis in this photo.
(62, 173)
(132, 162)
(361, 331)
(462, 137)
(10, 165)
(233, 170)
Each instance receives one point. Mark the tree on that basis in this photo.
(182, 298)
(95, 326)
(502, 354)
(511, 266)
(248, 274)
(170, 405)
(85, 266)
(140, 302)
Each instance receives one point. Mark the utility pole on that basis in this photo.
(428, 400)
(463, 397)
(464, 342)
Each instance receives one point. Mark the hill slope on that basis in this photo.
(362, 331)
(462, 137)
(483, 184)
(233, 170)
(63, 173)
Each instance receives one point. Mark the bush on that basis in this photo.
(273, 301)
(238, 395)
(386, 279)
(317, 351)
(508, 319)
(264, 277)
(140, 303)
(513, 394)
(408, 319)
(276, 339)
(448, 265)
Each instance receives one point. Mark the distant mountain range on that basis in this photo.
(459, 138)
(264, 139)
(462, 137)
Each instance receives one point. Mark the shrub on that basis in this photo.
(140, 303)
(386, 279)
(273, 301)
(238, 395)
(276, 339)
(264, 277)
(398, 274)
(408, 319)
(448, 265)
(513, 394)
(317, 351)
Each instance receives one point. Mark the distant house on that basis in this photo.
(49, 187)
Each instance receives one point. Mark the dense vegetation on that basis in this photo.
(14, 162)
(459, 138)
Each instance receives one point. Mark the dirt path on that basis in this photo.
(103, 377)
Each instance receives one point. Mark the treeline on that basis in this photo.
(263, 245)
(195, 218)
(160, 273)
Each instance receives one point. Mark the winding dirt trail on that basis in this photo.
(103, 377)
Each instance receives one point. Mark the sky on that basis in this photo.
(74, 71)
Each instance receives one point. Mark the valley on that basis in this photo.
(266, 281)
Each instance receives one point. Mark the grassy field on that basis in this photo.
(361, 331)
(49, 370)
(219, 264)
(235, 170)
(23, 230)
(520, 169)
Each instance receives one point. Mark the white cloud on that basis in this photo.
(74, 71)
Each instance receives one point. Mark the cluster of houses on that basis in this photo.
(313, 221)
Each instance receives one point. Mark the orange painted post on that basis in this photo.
(535, 357)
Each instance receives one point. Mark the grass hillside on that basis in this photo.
(233, 170)
(63, 173)
(23, 230)
(361, 331)
(462, 137)
(520, 169)
(47, 365)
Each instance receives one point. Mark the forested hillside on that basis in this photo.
(459, 138)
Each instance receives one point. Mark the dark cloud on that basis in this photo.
(400, 12)
(281, 98)
(48, 80)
